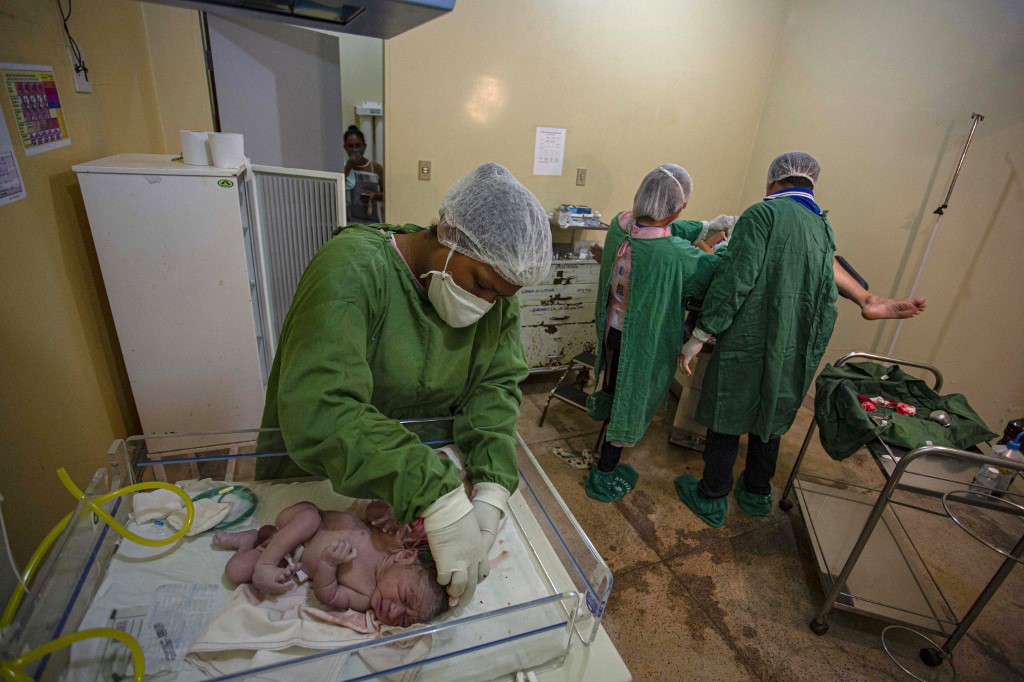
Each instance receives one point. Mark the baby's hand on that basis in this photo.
(272, 579)
(380, 515)
(339, 552)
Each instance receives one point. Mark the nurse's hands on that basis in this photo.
(490, 501)
(691, 348)
(455, 542)
(722, 223)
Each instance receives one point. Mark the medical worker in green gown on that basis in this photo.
(649, 267)
(394, 322)
(772, 307)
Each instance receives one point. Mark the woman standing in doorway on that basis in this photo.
(364, 180)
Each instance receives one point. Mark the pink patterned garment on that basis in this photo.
(618, 294)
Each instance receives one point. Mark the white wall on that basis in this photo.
(279, 85)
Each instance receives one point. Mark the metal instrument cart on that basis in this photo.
(879, 572)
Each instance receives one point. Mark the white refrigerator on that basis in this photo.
(199, 266)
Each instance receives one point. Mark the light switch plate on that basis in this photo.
(581, 176)
(423, 171)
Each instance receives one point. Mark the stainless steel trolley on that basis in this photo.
(876, 573)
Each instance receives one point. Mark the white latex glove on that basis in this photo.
(691, 348)
(454, 537)
(490, 501)
(722, 223)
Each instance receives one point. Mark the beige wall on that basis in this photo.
(362, 74)
(882, 94)
(679, 82)
(61, 398)
(175, 47)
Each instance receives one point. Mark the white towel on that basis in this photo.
(165, 504)
(251, 631)
(207, 514)
(154, 505)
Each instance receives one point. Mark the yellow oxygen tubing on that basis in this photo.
(11, 670)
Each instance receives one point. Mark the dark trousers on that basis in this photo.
(720, 456)
(610, 454)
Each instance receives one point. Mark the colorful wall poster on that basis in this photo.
(36, 103)
(12, 186)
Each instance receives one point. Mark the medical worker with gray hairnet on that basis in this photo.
(649, 267)
(772, 307)
(393, 322)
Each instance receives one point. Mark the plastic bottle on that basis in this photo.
(1012, 430)
(1010, 451)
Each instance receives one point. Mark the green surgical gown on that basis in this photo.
(772, 305)
(664, 273)
(362, 347)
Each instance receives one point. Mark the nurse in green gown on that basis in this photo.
(772, 307)
(649, 267)
(393, 322)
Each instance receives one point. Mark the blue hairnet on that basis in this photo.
(662, 192)
(791, 164)
(499, 222)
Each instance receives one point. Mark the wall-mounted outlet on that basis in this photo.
(581, 176)
(423, 170)
(82, 81)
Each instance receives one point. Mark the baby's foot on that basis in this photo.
(339, 552)
(272, 579)
(244, 539)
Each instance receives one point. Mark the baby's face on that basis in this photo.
(403, 596)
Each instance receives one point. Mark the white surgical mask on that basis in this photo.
(455, 305)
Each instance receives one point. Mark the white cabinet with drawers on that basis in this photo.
(558, 314)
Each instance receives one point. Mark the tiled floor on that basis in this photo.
(695, 603)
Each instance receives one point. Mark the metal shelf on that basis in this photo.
(885, 584)
(932, 475)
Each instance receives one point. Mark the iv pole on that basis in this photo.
(978, 118)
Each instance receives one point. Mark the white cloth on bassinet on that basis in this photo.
(250, 632)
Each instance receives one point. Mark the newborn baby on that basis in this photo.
(352, 565)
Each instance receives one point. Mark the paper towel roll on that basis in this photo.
(228, 150)
(195, 148)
